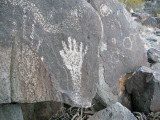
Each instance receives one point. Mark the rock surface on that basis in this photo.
(144, 88)
(48, 51)
(41, 110)
(11, 112)
(153, 55)
(53, 47)
(114, 112)
(118, 48)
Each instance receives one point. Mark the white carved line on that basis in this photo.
(73, 58)
(127, 43)
(33, 32)
(72, 20)
(37, 15)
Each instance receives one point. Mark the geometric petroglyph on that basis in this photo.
(127, 43)
(104, 9)
(73, 56)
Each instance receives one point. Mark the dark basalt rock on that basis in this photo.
(60, 50)
(48, 51)
(120, 50)
(153, 55)
(144, 88)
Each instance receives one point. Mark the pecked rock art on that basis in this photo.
(127, 43)
(42, 62)
(105, 10)
(124, 48)
(73, 57)
(45, 64)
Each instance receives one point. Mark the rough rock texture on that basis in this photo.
(5, 60)
(146, 19)
(153, 55)
(144, 88)
(152, 7)
(48, 51)
(11, 112)
(40, 111)
(114, 112)
(118, 48)
(55, 49)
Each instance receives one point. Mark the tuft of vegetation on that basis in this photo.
(133, 4)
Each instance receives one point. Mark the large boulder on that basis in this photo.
(121, 49)
(48, 51)
(143, 86)
(114, 112)
(58, 50)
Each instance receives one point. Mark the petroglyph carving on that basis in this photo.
(24, 26)
(32, 33)
(73, 56)
(114, 57)
(37, 15)
(103, 46)
(105, 10)
(73, 20)
(70, 22)
(127, 43)
(26, 61)
(14, 30)
(127, 16)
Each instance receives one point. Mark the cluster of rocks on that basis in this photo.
(71, 51)
(152, 7)
(149, 14)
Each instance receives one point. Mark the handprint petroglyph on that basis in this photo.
(73, 58)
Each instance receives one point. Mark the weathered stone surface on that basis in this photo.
(153, 55)
(144, 88)
(114, 112)
(120, 50)
(54, 51)
(40, 111)
(10, 112)
(5, 55)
